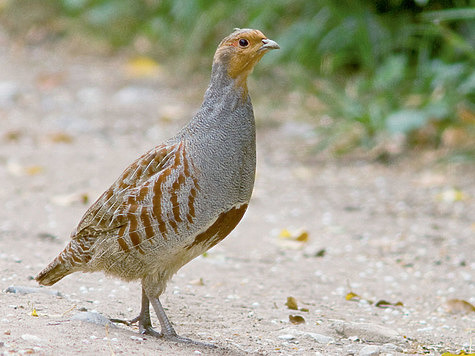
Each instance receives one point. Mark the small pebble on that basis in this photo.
(319, 338)
(366, 331)
(390, 348)
(9, 91)
(422, 330)
(30, 337)
(369, 350)
(29, 290)
(287, 337)
(92, 317)
(351, 349)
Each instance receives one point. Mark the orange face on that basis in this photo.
(242, 50)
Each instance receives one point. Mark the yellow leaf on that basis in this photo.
(299, 235)
(142, 67)
(352, 296)
(451, 195)
(34, 313)
(292, 303)
(34, 170)
(285, 234)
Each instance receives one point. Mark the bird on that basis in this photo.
(180, 198)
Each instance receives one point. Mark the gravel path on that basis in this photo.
(399, 238)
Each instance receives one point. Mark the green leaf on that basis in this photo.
(406, 120)
(391, 72)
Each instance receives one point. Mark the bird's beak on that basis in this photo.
(268, 44)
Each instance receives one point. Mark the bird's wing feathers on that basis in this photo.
(107, 213)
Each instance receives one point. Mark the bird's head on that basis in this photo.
(241, 51)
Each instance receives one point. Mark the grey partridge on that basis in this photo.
(182, 197)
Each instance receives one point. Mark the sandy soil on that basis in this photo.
(400, 233)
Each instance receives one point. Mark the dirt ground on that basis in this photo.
(401, 234)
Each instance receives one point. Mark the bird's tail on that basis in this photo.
(59, 268)
(53, 273)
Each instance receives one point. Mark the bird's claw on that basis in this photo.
(122, 321)
(148, 330)
(145, 328)
(185, 340)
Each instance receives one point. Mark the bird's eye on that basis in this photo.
(243, 42)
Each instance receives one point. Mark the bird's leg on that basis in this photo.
(167, 329)
(145, 325)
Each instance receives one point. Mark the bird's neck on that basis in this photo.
(224, 83)
(224, 105)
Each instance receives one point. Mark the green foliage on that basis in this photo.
(399, 99)
(382, 67)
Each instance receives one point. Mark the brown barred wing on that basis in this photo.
(161, 209)
(105, 214)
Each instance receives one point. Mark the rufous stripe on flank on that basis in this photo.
(221, 228)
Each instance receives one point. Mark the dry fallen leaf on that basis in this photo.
(18, 170)
(34, 313)
(299, 235)
(385, 304)
(459, 306)
(352, 296)
(34, 170)
(70, 199)
(197, 282)
(13, 135)
(451, 195)
(296, 319)
(293, 240)
(320, 253)
(292, 303)
(142, 67)
(60, 137)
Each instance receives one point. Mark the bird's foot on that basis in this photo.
(145, 326)
(185, 340)
(122, 321)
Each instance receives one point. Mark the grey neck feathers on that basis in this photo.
(222, 100)
(221, 85)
